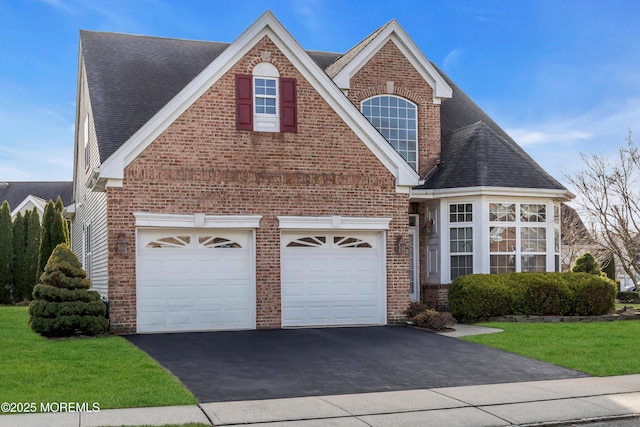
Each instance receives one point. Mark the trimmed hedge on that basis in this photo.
(628, 297)
(481, 296)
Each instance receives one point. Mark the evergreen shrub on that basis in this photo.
(63, 305)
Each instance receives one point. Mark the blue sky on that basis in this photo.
(561, 76)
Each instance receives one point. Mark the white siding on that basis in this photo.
(90, 206)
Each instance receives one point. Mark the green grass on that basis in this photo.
(107, 370)
(596, 348)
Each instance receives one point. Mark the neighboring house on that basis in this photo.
(259, 185)
(24, 196)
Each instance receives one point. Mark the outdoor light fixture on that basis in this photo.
(121, 245)
(401, 245)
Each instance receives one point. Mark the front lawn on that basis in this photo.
(596, 348)
(109, 371)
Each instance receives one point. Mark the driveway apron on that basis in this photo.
(268, 364)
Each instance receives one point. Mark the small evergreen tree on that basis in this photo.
(21, 283)
(34, 229)
(53, 233)
(586, 263)
(6, 254)
(64, 228)
(610, 268)
(45, 238)
(63, 305)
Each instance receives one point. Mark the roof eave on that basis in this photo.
(395, 33)
(559, 195)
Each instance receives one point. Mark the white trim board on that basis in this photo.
(335, 222)
(197, 220)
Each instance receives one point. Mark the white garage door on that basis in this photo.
(195, 280)
(332, 279)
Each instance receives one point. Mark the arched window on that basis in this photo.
(397, 120)
(265, 93)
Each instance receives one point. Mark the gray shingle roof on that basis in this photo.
(477, 152)
(132, 77)
(340, 63)
(16, 192)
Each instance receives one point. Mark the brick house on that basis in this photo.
(258, 185)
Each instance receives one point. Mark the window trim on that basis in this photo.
(467, 223)
(519, 224)
(285, 118)
(265, 122)
(417, 140)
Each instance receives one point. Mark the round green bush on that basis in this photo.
(592, 295)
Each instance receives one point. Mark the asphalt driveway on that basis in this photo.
(268, 364)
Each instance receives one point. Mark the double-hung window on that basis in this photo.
(265, 95)
(461, 239)
(266, 102)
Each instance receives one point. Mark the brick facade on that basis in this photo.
(201, 163)
(390, 65)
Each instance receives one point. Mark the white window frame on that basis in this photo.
(519, 226)
(465, 223)
(392, 141)
(266, 122)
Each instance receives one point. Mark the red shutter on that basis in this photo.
(244, 102)
(288, 108)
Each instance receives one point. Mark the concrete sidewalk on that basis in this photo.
(523, 404)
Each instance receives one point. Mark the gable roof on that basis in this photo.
(476, 152)
(111, 171)
(15, 192)
(351, 62)
(132, 77)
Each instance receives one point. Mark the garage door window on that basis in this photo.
(323, 242)
(218, 243)
(170, 242)
(208, 242)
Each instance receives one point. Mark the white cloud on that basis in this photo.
(557, 142)
(526, 137)
(452, 59)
